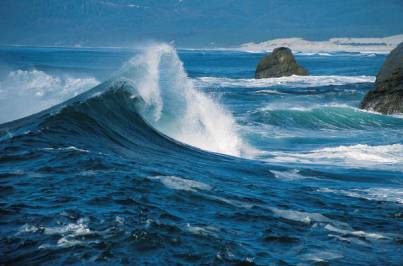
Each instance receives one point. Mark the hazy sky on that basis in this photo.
(193, 23)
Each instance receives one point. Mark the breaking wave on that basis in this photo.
(175, 107)
(157, 84)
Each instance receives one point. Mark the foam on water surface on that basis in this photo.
(376, 194)
(289, 82)
(178, 183)
(359, 155)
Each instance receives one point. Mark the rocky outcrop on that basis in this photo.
(279, 63)
(387, 97)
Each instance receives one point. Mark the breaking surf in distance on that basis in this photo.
(333, 45)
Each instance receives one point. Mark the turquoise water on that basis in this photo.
(168, 157)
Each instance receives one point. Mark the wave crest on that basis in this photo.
(175, 107)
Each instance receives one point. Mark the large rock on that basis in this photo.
(387, 97)
(279, 63)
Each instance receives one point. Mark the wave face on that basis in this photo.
(162, 166)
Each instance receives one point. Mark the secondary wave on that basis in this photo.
(324, 117)
(355, 156)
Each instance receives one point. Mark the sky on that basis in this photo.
(192, 23)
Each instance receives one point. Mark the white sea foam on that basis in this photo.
(360, 155)
(304, 107)
(321, 256)
(376, 194)
(270, 92)
(348, 239)
(65, 242)
(68, 233)
(289, 82)
(298, 216)
(29, 228)
(69, 148)
(334, 226)
(360, 234)
(73, 229)
(26, 92)
(201, 230)
(178, 183)
(289, 175)
(175, 107)
(356, 45)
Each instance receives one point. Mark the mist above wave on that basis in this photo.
(25, 92)
(174, 106)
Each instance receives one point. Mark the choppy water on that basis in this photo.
(180, 158)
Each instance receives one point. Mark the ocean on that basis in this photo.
(159, 156)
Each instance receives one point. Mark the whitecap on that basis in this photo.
(67, 233)
(359, 155)
(69, 148)
(178, 183)
(352, 240)
(270, 92)
(65, 242)
(289, 175)
(298, 216)
(201, 230)
(321, 256)
(73, 229)
(28, 228)
(360, 234)
(375, 194)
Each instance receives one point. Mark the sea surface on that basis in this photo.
(159, 156)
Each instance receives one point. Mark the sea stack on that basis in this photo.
(387, 97)
(279, 63)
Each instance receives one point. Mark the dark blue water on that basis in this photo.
(158, 157)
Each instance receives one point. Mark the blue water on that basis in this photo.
(164, 157)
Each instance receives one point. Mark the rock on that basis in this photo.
(387, 97)
(279, 63)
